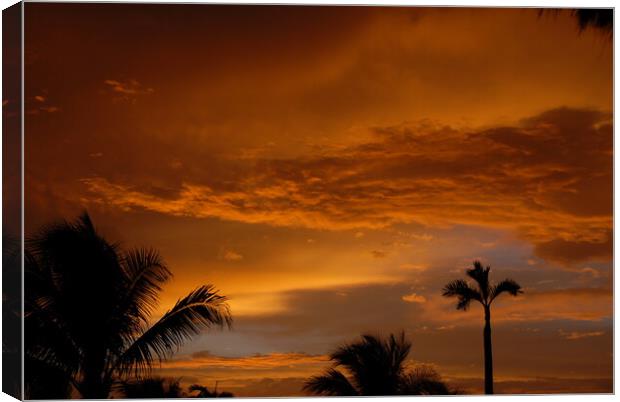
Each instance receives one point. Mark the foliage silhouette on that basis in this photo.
(484, 293)
(11, 316)
(597, 18)
(202, 391)
(88, 310)
(601, 18)
(424, 380)
(153, 387)
(373, 367)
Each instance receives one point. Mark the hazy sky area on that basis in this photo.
(331, 168)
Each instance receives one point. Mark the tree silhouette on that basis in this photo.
(202, 391)
(11, 316)
(88, 307)
(153, 387)
(374, 367)
(484, 293)
(601, 18)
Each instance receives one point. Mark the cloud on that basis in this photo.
(537, 385)
(333, 320)
(594, 273)
(128, 90)
(414, 267)
(574, 304)
(414, 298)
(256, 362)
(272, 387)
(378, 253)
(571, 252)
(574, 335)
(230, 255)
(508, 177)
(273, 374)
(38, 104)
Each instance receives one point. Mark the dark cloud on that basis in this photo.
(573, 252)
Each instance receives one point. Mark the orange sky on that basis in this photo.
(331, 168)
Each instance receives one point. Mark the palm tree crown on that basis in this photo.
(484, 292)
(373, 366)
(88, 309)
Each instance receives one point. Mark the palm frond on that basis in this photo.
(201, 309)
(481, 275)
(424, 380)
(332, 383)
(375, 364)
(602, 19)
(145, 273)
(508, 286)
(463, 291)
(398, 348)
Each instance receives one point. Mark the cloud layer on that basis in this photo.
(547, 179)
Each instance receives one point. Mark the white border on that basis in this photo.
(460, 3)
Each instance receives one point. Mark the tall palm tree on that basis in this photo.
(372, 366)
(88, 308)
(484, 293)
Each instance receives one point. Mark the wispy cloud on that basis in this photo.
(414, 298)
(230, 255)
(576, 304)
(127, 90)
(378, 253)
(574, 335)
(38, 104)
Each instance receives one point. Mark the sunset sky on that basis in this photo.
(331, 168)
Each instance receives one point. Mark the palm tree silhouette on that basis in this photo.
(88, 308)
(485, 294)
(372, 367)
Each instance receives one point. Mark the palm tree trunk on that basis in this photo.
(488, 352)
